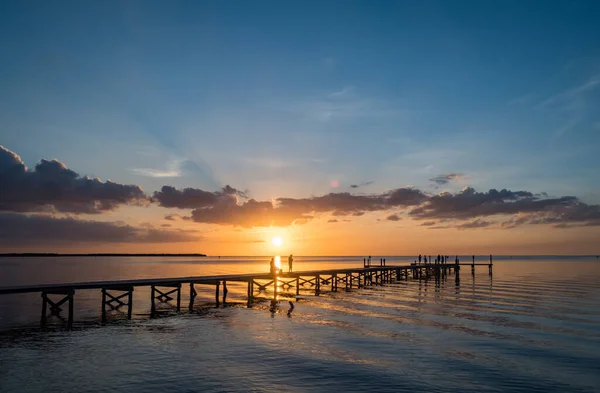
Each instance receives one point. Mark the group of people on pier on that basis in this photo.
(273, 266)
(439, 260)
(442, 259)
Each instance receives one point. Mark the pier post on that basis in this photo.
(225, 292)
(217, 293)
(152, 301)
(297, 286)
(103, 305)
(130, 304)
(318, 285)
(70, 320)
(250, 293)
(192, 296)
(179, 297)
(44, 306)
(275, 288)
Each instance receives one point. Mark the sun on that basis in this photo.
(277, 241)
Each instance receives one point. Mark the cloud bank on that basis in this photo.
(51, 186)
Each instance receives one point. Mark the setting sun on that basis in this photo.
(277, 241)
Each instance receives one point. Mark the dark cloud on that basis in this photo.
(445, 179)
(332, 221)
(468, 204)
(22, 229)
(428, 223)
(166, 225)
(53, 186)
(475, 224)
(567, 215)
(194, 198)
(224, 207)
(393, 217)
(363, 184)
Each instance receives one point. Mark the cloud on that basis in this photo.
(224, 207)
(445, 179)
(575, 214)
(363, 184)
(22, 229)
(478, 223)
(468, 204)
(53, 186)
(393, 217)
(332, 221)
(192, 198)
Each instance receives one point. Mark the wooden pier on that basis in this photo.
(116, 294)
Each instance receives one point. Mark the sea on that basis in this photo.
(531, 326)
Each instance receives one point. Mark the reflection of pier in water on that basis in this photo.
(117, 294)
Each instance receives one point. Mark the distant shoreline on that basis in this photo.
(49, 254)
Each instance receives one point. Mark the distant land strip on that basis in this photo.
(50, 254)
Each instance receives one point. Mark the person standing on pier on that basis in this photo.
(290, 261)
(419, 259)
(273, 267)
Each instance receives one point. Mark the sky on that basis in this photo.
(342, 127)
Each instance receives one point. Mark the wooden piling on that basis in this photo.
(217, 293)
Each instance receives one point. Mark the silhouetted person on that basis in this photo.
(425, 258)
(290, 261)
(473, 259)
(456, 260)
(369, 261)
(273, 267)
(419, 258)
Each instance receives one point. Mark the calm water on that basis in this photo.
(534, 326)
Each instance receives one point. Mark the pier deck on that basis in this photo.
(348, 277)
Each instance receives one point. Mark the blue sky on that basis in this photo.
(283, 98)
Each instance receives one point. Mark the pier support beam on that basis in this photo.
(55, 308)
(115, 302)
(250, 293)
(164, 297)
(193, 295)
